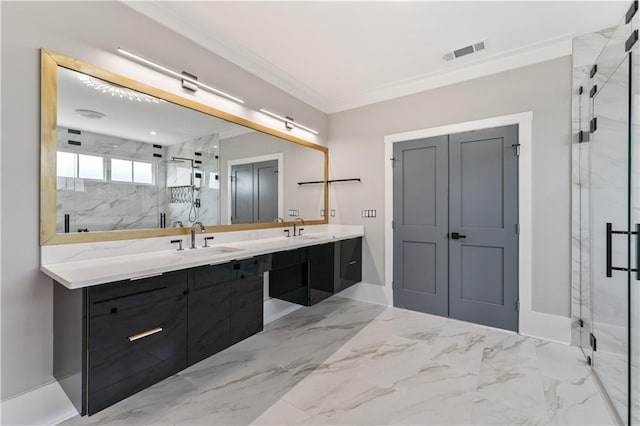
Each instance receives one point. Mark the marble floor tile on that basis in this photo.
(510, 389)
(344, 362)
(282, 413)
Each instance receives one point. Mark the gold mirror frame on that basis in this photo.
(50, 61)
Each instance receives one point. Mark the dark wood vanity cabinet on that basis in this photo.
(288, 276)
(348, 263)
(113, 340)
(136, 336)
(321, 267)
(209, 311)
(309, 275)
(247, 299)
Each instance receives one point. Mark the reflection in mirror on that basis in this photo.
(128, 160)
(263, 174)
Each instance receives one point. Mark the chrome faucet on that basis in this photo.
(279, 219)
(177, 224)
(294, 226)
(193, 233)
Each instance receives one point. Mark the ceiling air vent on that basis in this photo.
(467, 50)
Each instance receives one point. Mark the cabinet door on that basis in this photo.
(321, 272)
(288, 279)
(247, 303)
(350, 263)
(209, 310)
(137, 336)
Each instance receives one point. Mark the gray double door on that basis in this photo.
(254, 192)
(455, 226)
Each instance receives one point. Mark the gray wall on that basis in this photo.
(89, 31)
(356, 144)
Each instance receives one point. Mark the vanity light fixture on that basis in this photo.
(184, 77)
(288, 121)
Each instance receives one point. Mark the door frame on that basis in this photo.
(530, 323)
(257, 159)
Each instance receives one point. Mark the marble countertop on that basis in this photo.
(85, 273)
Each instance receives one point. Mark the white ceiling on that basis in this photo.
(341, 55)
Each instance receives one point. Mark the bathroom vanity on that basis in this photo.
(115, 337)
(130, 309)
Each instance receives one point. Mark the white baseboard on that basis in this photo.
(546, 327)
(371, 293)
(46, 405)
(274, 309)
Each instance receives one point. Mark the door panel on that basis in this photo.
(265, 175)
(420, 179)
(420, 206)
(481, 178)
(419, 266)
(483, 209)
(242, 193)
(481, 277)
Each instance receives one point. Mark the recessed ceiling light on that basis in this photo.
(215, 146)
(88, 113)
(153, 132)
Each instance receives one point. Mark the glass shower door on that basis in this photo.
(609, 220)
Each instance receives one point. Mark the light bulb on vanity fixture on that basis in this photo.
(289, 123)
(189, 81)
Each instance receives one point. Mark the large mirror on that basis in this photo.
(124, 160)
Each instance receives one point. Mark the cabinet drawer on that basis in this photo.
(126, 356)
(206, 276)
(120, 289)
(350, 263)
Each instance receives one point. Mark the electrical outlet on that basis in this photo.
(333, 212)
(322, 213)
(294, 212)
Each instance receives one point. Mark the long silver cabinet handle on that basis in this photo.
(145, 334)
(353, 262)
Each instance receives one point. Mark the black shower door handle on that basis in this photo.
(609, 255)
(637, 251)
(608, 250)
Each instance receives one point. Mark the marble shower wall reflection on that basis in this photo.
(103, 205)
(190, 182)
(106, 204)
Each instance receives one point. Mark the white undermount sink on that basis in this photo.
(206, 251)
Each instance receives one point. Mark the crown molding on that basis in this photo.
(521, 57)
(249, 61)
